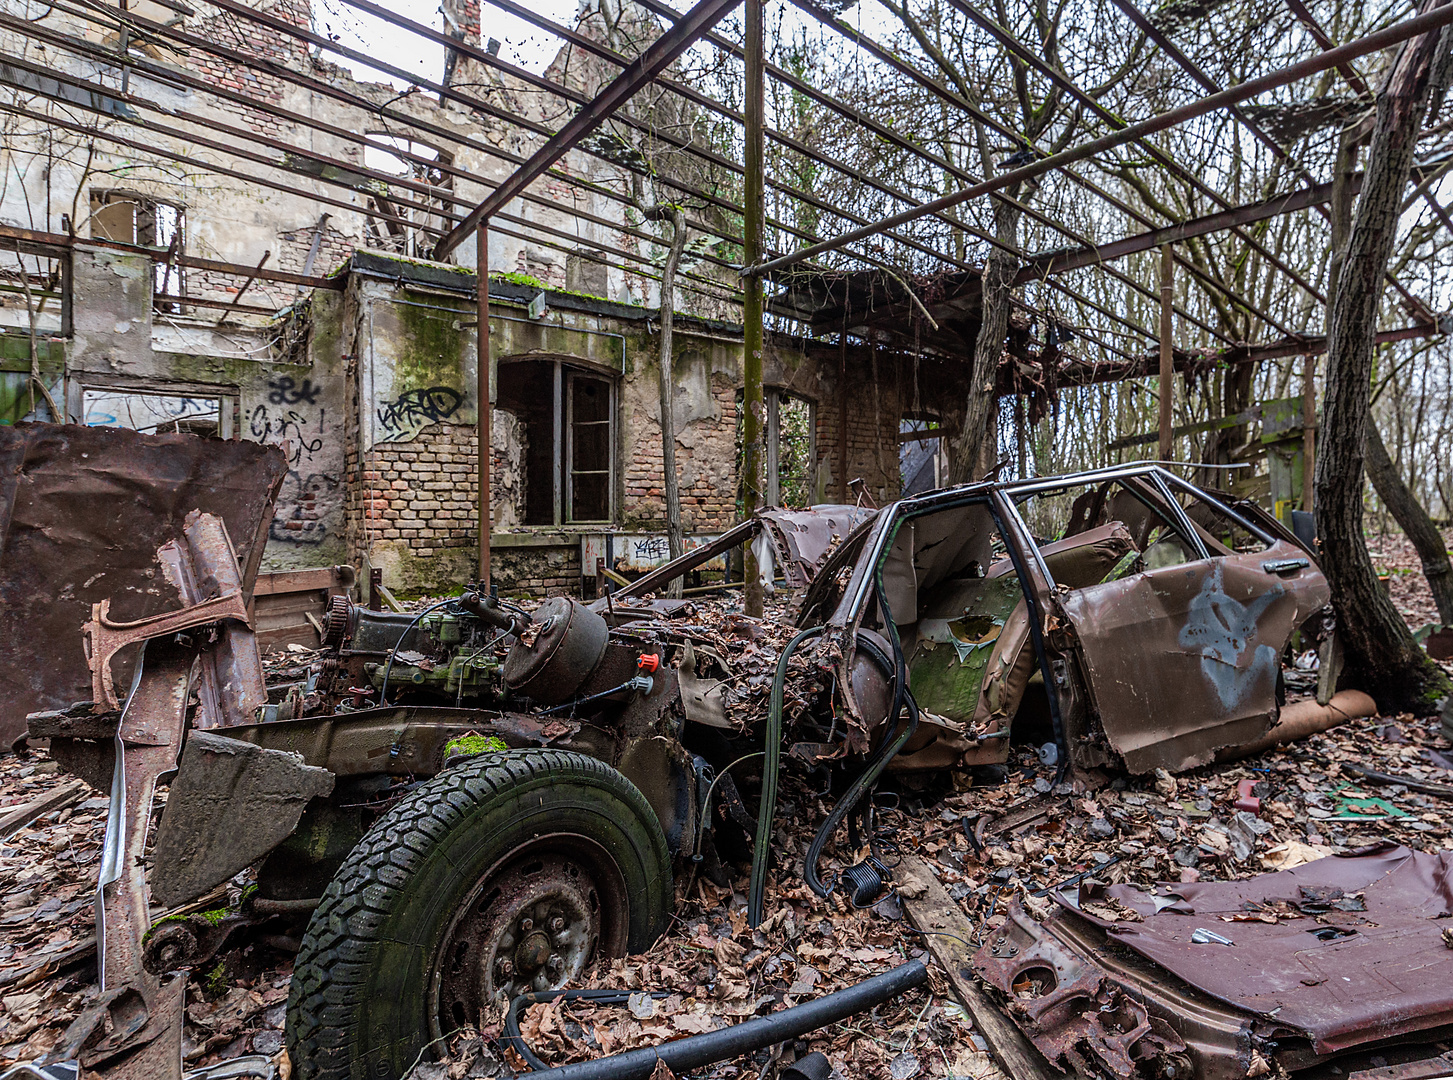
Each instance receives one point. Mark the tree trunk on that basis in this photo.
(1381, 654)
(675, 540)
(1414, 521)
(966, 450)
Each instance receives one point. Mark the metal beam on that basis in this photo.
(754, 112)
(658, 56)
(1058, 262)
(1426, 22)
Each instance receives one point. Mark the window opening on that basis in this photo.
(791, 440)
(126, 217)
(920, 453)
(563, 420)
(157, 413)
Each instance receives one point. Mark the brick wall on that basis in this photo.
(423, 491)
(874, 411)
(706, 461)
(415, 506)
(536, 571)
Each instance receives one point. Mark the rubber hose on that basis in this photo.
(696, 1052)
(513, 1036)
(767, 810)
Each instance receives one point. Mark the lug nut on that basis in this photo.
(527, 925)
(557, 924)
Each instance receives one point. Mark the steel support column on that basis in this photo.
(755, 210)
(483, 384)
(1167, 354)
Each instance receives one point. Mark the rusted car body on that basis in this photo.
(1148, 632)
(1227, 979)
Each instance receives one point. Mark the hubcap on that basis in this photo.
(534, 922)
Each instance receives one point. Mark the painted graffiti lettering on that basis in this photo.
(284, 391)
(420, 406)
(286, 429)
(651, 548)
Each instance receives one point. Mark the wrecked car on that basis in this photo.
(477, 801)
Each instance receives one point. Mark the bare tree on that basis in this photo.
(1381, 653)
(1414, 521)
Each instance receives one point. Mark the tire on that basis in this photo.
(442, 886)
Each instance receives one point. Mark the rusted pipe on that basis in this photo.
(1303, 718)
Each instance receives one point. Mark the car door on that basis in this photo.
(1182, 659)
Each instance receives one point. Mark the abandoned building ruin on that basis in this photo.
(612, 536)
(367, 376)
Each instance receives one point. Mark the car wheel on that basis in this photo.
(510, 873)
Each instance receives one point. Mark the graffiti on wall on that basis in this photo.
(402, 417)
(294, 431)
(284, 390)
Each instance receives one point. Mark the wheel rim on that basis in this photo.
(532, 922)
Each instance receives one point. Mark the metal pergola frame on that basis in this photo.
(337, 183)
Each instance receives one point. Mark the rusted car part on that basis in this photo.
(145, 1009)
(698, 1051)
(231, 804)
(1216, 631)
(83, 511)
(1076, 615)
(1204, 980)
(799, 542)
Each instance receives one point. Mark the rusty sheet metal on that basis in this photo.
(804, 538)
(83, 512)
(1354, 957)
(1183, 660)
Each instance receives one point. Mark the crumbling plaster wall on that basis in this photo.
(120, 344)
(52, 172)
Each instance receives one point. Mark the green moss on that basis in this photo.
(215, 980)
(468, 745)
(429, 351)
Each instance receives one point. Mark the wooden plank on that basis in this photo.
(292, 603)
(292, 581)
(18, 817)
(948, 933)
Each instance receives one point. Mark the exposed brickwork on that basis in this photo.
(706, 458)
(537, 571)
(423, 491)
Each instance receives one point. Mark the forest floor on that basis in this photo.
(714, 969)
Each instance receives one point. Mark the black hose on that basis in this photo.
(513, 1036)
(684, 1055)
(767, 809)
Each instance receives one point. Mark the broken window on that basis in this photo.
(127, 217)
(1222, 529)
(791, 432)
(1133, 515)
(920, 457)
(400, 214)
(568, 439)
(157, 413)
